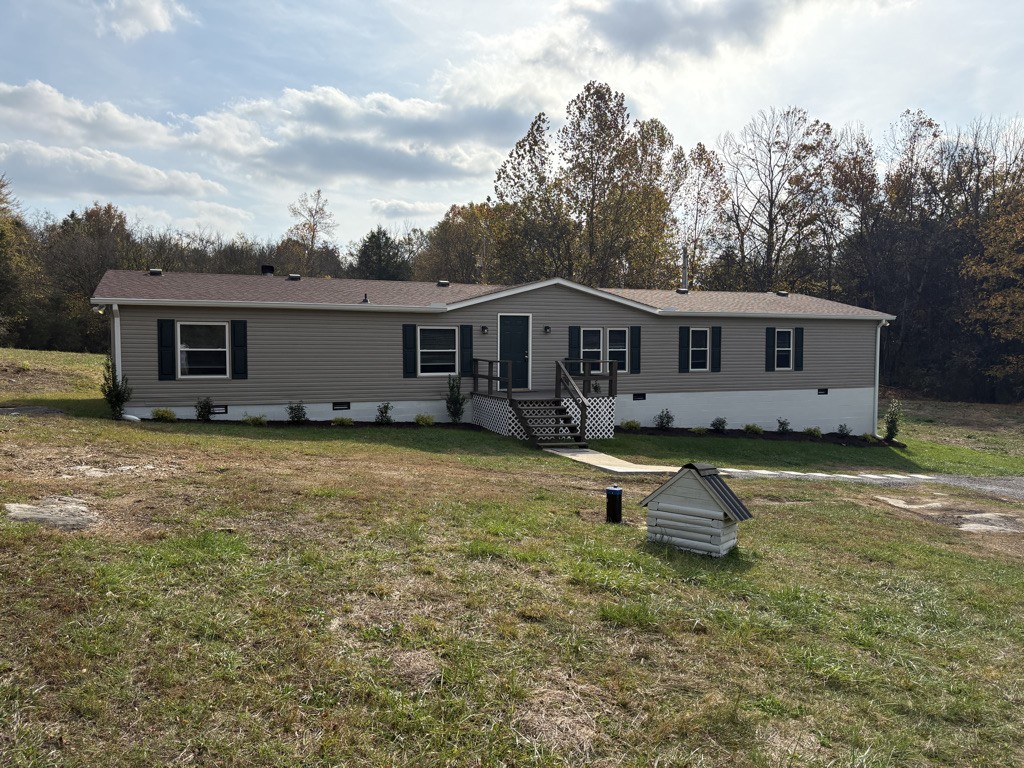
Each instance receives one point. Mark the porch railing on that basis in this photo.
(563, 379)
(592, 373)
(490, 377)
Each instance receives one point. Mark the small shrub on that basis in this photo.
(630, 425)
(342, 421)
(163, 414)
(297, 413)
(813, 431)
(753, 429)
(384, 414)
(456, 401)
(424, 420)
(665, 419)
(204, 409)
(114, 390)
(844, 430)
(698, 430)
(893, 419)
(718, 424)
(255, 421)
(784, 427)
(868, 438)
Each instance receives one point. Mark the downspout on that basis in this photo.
(878, 359)
(118, 373)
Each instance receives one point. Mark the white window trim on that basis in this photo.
(707, 349)
(178, 350)
(419, 349)
(608, 347)
(790, 348)
(600, 351)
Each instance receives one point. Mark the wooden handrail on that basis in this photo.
(588, 374)
(562, 377)
(490, 377)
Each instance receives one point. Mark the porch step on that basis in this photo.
(549, 424)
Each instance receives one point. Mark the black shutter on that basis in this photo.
(798, 349)
(465, 350)
(634, 349)
(239, 350)
(769, 349)
(684, 349)
(716, 349)
(409, 351)
(575, 348)
(165, 350)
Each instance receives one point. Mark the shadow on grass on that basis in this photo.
(660, 449)
(691, 566)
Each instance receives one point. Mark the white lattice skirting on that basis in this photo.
(496, 415)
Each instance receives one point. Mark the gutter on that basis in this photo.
(439, 308)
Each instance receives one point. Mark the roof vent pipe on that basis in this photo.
(782, 293)
(294, 276)
(366, 299)
(267, 269)
(443, 283)
(154, 272)
(682, 291)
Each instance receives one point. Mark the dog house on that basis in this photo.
(695, 510)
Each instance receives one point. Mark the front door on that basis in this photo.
(514, 345)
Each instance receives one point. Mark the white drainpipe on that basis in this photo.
(118, 373)
(878, 360)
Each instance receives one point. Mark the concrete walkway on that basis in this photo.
(621, 466)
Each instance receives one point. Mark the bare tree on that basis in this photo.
(315, 224)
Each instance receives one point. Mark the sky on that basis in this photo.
(216, 115)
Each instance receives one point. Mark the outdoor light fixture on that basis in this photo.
(483, 329)
(547, 329)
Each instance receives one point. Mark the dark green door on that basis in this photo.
(514, 346)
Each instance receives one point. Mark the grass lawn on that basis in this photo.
(317, 597)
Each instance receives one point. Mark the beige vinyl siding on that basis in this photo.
(329, 355)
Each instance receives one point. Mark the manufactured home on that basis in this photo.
(255, 343)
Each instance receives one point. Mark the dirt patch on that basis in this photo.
(418, 670)
(21, 378)
(562, 714)
(971, 516)
(29, 410)
(65, 512)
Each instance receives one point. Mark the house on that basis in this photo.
(254, 343)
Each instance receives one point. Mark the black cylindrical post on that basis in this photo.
(613, 504)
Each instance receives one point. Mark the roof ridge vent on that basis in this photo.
(682, 291)
(155, 272)
(267, 269)
(443, 283)
(294, 276)
(782, 293)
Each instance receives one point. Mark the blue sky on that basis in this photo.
(218, 115)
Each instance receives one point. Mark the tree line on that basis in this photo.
(926, 224)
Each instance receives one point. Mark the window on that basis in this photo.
(618, 347)
(438, 351)
(202, 350)
(699, 356)
(783, 349)
(592, 348)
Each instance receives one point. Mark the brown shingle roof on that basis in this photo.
(191, 286)
(174, 287)
(737, 303)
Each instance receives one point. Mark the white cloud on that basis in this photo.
(132, 19)
(96, 171)
(41, 111)
(404, 209)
